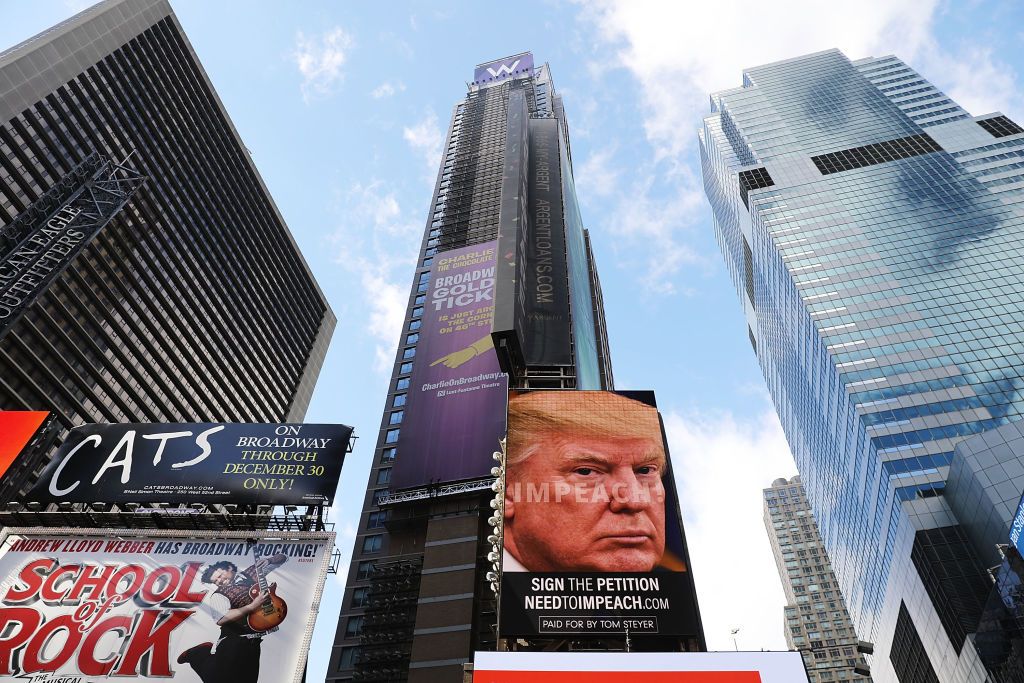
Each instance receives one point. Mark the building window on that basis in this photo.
(396, 417)
(391, 436)
(347, 658)
(361, 596)
(420, 300)
(399, 401)
(405, 368)
(383, 476)
(415, 325)
(417, 312)
(364, 570)
(373, 544)
(403, 383)
(376, 519)
(388, 454)
(354, 626)
(408, 353)
(412, 338)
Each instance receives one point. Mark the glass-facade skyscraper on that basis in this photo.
(873, 231)
(418, 601)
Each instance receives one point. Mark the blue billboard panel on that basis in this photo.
(1017, 528)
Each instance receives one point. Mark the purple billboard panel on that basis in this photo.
(502, 69)
(455, 411)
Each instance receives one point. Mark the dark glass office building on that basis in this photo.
(418, 601)
(145, 273)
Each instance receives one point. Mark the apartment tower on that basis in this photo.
(418, 601)
(816, 620)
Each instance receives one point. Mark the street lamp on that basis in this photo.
(733, 632)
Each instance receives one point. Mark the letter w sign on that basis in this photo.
(503, 69)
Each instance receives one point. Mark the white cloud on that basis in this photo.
(387, 89)
(426, 138)
(378, 243)
(977, 80)
(597, 176)
(681, 52)
(721, 464)
(320, 61)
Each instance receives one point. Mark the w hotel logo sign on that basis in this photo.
(500, 70)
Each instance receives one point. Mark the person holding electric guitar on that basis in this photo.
(246, 609)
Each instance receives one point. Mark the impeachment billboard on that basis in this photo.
(593, 538)
(91, 605)
(266, 464)
(454, 417)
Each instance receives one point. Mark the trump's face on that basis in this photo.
(587, 503)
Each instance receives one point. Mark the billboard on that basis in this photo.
(548, 336)
(265, 464)
(500, 70)
(17, 427)
(455, 411)
(1017, 528)
(649, 667)
(98, 604)
(593, 539)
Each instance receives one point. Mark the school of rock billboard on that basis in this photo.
(84, 606)
(649, 667)
(267, 464)
(454, 416)
(593, 539)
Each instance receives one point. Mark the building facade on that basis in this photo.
(817, 622)
(418, 600)
(871, 226)
(187, 299)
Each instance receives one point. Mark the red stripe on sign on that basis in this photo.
(16, 429)
(616, 676)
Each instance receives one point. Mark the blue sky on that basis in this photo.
(344, 107)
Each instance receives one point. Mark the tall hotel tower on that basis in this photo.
(873, 230)
(418, 601)
(146, 274)
(817, 622)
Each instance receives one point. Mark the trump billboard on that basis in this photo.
(592, 535)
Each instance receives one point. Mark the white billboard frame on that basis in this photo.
(328, 537)
(786, 666)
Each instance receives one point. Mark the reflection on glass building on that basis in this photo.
(873, 232)
(186, 298)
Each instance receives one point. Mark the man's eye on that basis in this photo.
(646, 469)
(584, 470)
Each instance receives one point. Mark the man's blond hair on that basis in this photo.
(535, 416)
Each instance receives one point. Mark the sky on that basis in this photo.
(344, 106)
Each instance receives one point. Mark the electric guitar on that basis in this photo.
(274, 609)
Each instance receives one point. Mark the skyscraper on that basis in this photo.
(505, 283)
(817, 622)
(145, 273)
(871, 227)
